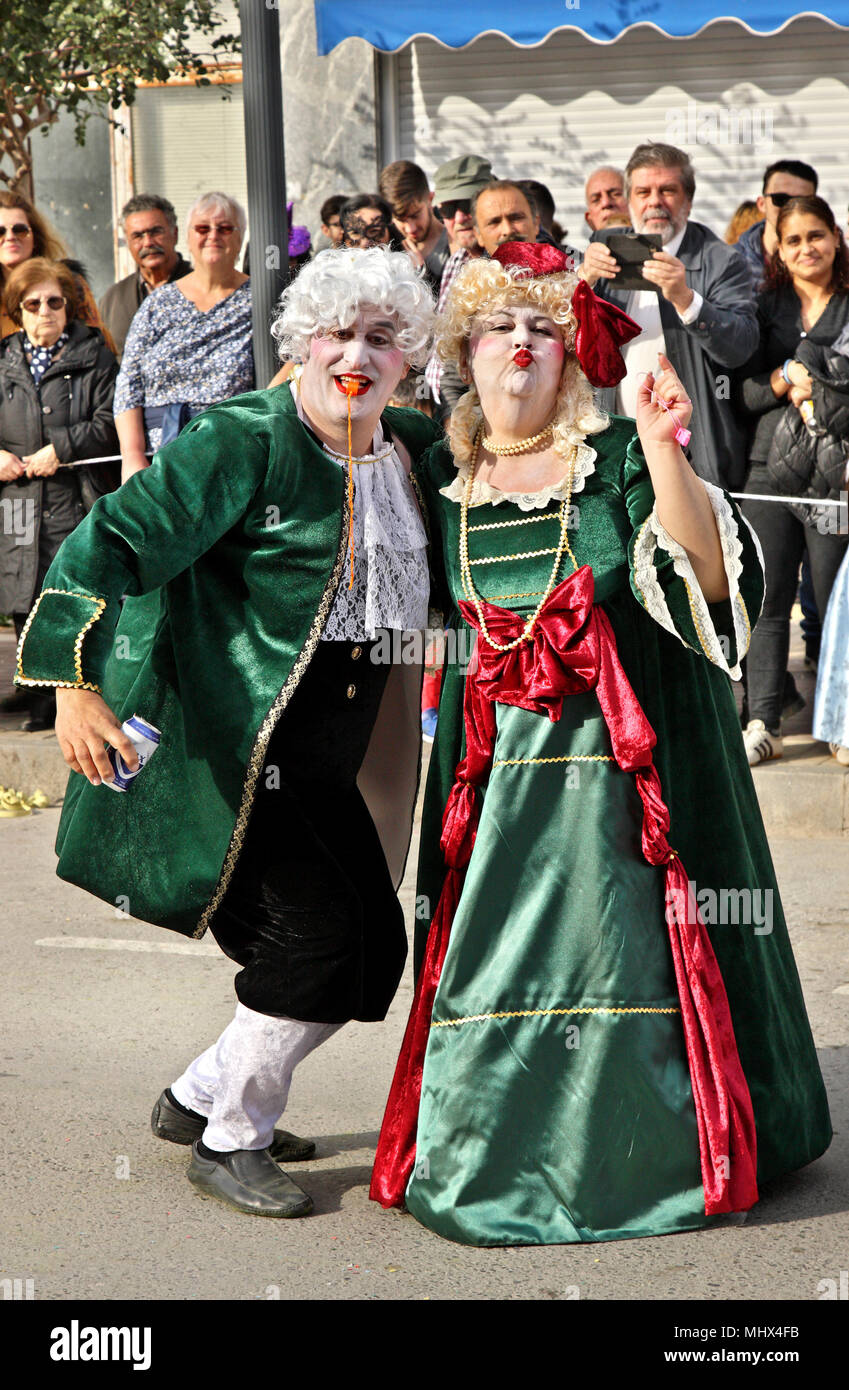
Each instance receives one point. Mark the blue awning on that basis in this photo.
(389, 26)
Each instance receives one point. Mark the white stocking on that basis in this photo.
(241, 1083)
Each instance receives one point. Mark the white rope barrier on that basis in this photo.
(740, 496)
(808, 501)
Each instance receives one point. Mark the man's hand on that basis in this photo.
(670, 276)
(83, 722)
(11, 467)
(43, 463)
(598, 264)
(798, 394)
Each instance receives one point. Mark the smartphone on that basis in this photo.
(630, 249)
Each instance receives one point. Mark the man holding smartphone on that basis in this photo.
(697, 308)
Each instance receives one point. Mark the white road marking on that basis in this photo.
(108, 943)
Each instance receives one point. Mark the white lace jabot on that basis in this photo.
(526, 501)
(391, 578)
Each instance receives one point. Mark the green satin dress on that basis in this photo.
(556, 1100)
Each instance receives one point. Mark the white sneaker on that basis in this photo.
(840, 753)
(760, 744)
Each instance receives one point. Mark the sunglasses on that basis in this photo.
(450, 209)
(781, 199)
(204, 228)
(20, 229)
(53, 301)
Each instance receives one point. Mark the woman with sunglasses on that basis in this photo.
(57, 377)
(24, 233)
(189, 345)
(806, 301)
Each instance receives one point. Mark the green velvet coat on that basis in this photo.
(230, 547)
(556, 1100)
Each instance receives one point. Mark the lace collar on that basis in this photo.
(483, 492)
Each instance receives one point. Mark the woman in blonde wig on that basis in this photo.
(595, 1050)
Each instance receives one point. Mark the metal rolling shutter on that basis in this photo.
(557, 111)
(188, 141)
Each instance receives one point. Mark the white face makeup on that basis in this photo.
(364, 360)
(519, 352)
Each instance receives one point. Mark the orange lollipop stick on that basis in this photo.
(350, 390)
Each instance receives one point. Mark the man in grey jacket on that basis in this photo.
(700, 310)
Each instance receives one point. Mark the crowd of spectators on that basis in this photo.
(755, 321)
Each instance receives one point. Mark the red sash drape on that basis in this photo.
(572, 649)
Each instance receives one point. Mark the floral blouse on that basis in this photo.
(174, 352)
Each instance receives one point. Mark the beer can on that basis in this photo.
(145, 739)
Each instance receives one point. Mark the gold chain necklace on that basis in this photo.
(522, 446)
(466, 569)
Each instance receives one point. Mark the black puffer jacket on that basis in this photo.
(814, 464)
(72, 410)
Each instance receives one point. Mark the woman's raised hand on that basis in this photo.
(84, 722)
(655, 424)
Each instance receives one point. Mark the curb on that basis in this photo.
(804, 793)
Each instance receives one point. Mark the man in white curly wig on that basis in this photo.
(282, 537)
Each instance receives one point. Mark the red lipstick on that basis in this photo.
(352, 384)
(523, 358)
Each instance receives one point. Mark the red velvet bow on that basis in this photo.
(533, 257)
(602, 329)
(572, 649)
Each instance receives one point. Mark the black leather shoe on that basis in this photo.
(171, 1123)
(15, 703)
(250, 1181)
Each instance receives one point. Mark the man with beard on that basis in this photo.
(150, 228)
(404, 186)
(700, 311)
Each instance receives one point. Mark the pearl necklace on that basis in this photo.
(365, 458)
(466, 569)
(522, 446)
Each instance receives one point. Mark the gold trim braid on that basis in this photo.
(539, 1013)
(522, 521)
(567, 758)
(79, 683)
(268, 725)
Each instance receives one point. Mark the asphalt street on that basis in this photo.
(100, 1012)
